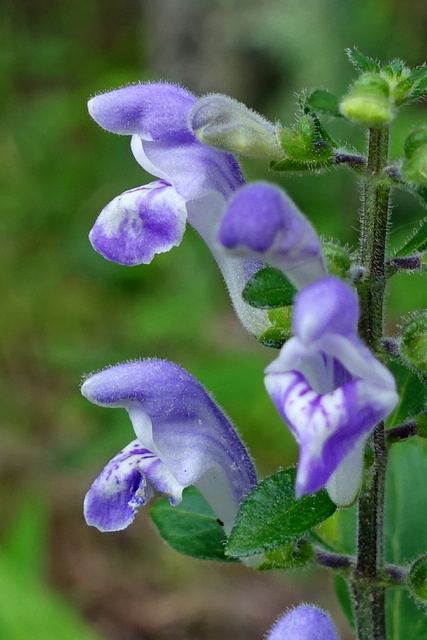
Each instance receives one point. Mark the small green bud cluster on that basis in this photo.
(368, 102)
(373, 98)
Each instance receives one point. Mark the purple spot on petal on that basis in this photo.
(139, 224)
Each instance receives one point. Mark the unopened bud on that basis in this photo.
(417, 579)
(414, 167)
(227, 124)
(414, 341)
(304, 623)
(368, 102)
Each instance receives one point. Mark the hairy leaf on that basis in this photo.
(412, 394)
(324, 102)
(362, 62)
(417, 242)
(191, 528)
(268, 288)
(270, 516)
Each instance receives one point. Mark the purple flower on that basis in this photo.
(182, 439)
(263, 223)
(195, 183)
(330, 390)
(306, 622)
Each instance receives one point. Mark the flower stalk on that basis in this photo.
(370, 598)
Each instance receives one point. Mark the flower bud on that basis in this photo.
(414, 167)
(368, 102)
(337, 260)
(414, 340)
(306, 622)
(227, 124)
(417, 579)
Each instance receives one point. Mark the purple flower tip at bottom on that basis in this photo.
(262, 222)
(304, 623)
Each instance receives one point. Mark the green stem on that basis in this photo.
(368, 596)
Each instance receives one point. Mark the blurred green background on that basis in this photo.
(66, 311)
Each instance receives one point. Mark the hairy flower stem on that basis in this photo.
(369, 598)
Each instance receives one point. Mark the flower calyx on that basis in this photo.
(306, 146)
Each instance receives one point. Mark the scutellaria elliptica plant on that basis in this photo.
(353, 397)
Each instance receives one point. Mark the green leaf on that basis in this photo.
(270, 516)
(406, 532)
(396, 67)
(421, 192)
(191, 528)
(404, 618)
(267, 289)
(417, 242)
(406, 502)
(362, 62)
(410, 87)
(420, 87)
(344, 598)
(412, 394)
(324, 102)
